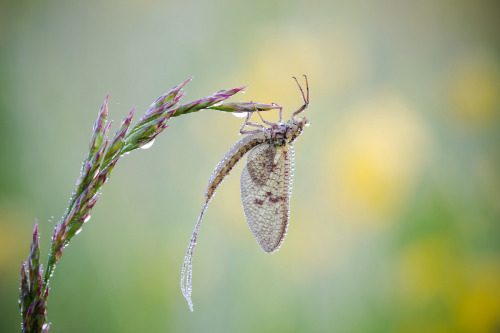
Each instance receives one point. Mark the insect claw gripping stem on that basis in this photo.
(281, 111)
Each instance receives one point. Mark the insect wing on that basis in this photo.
(265, 188)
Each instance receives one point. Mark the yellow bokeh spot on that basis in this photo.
(15, 237)
(432, 272)
(475, 91)
(428, 269)
(376, 158)
(298, 53)
(479, 306)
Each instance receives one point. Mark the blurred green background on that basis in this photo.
(395, 213)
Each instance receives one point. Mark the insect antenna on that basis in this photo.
(304, 97)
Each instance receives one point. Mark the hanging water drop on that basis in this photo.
(148, 145)
(239, 114)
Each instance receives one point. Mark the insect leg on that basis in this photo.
(305, 97)
(281, 112)
(247, 122)
(270, 123)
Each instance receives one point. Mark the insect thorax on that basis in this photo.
(285, 133)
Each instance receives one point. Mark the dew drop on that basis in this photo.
(218, 103)
(86, 218)
(148, 145)
(76, 233)
(239, 114)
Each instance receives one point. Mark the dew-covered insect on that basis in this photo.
(266, 182)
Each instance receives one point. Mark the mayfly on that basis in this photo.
(266, 181)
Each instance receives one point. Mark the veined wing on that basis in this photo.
(266, 183)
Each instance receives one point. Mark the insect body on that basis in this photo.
(266, 182)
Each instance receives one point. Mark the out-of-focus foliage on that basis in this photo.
(395, 217)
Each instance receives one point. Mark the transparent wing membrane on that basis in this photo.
(265, 193)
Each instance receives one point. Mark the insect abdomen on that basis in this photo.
(230, 159)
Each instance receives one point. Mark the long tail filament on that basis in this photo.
(187, 267)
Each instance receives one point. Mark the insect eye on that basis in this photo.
(305, 121)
